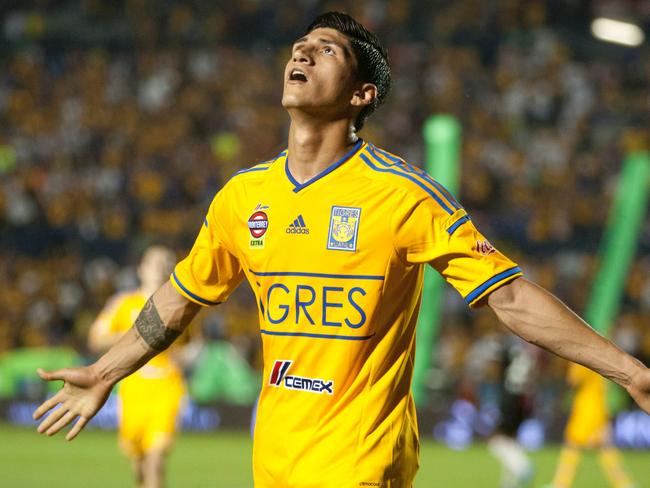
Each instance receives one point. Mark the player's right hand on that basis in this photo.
(82, 395)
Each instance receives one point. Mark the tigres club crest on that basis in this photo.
(344, 228)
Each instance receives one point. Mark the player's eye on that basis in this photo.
(328, 50)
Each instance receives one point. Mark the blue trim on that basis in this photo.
(419, 172)
(479, 290)
(259, 167)
(299, 186)
(318, 275)
(293, 181)
(457, 224)
(316, 336)
(250, 170)
(189, 293)
(408, 177)
(205, 222)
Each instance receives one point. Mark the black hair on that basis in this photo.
(371, 56)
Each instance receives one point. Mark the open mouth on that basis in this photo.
(297, 75)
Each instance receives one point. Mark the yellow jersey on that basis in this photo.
(588, 424)
(150, 399)
(336, 264)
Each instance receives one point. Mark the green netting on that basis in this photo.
(222, 374)
(18, 369)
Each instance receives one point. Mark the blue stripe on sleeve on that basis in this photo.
(408, 177)
(479, 290)
(193, 295)
(400, 163)
(457, 224)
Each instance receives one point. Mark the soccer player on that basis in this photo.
(517, 363)
(333, 235)
(149, 399)
(589, 428)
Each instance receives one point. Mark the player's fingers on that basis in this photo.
(47, 405)
(76, 428)
(51, 419)
(59, 374)
(62, 422)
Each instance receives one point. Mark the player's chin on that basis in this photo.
(291, 100)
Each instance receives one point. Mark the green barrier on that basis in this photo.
(617, 251)
(222, 374)
(18, 369)
(619, 242)
(442, 142)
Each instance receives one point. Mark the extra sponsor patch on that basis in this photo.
(279, 378)
(258, 223)
(344, 228)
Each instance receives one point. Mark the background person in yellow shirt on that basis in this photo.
(151, 398)
(589, 428)
(333, 236)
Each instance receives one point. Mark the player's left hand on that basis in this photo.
(639, 389)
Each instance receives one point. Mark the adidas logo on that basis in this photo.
(298, 226)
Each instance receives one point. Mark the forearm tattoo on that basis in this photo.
(152, 330)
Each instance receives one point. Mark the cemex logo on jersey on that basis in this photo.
(279, 378)
(298, 226)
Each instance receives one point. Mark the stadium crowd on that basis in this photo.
(120, 120)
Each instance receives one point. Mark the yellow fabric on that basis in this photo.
(589, 420)
(612, 463)
(150, 398)
(566, 468)
(336, 265)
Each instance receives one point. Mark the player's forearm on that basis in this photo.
(162, 319)
(540, 318)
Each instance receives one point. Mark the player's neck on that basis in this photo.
(314, 147)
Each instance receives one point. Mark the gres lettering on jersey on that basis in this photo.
(337, 269)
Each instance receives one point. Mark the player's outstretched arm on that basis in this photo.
(540, 318)
(85, 389)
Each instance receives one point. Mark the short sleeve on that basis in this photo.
(451, 244)
(212, 270)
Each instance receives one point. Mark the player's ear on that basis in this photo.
(364, 95)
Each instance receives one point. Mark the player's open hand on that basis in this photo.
(639, 389)
(82, 395)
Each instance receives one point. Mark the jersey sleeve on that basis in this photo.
(450, 243)
(212, 270)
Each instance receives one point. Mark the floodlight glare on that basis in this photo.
(616, 31)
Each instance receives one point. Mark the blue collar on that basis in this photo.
(299, 186)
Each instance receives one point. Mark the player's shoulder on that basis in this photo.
(123, 298)
(408, 180)
(258, 171)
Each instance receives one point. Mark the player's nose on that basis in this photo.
(303, 55)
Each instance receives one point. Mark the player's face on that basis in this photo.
(156, 266)
(321, 76)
